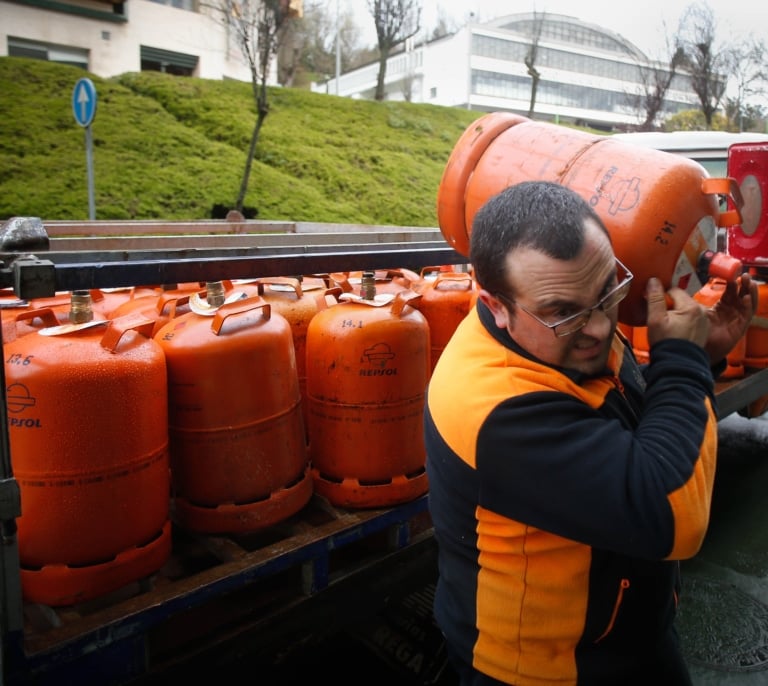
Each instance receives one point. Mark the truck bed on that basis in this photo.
(214, 588)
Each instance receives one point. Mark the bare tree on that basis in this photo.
(445, 25)
(288, 54)
(258, 27)
(707, 64)
(317, 31)
(750, 71)
(537, 26)
(396, 20)
(656, 79)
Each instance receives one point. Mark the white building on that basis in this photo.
(110, 37)
(589, 74)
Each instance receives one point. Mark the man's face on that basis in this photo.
(554, 289)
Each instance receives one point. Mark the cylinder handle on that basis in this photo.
(729, 187)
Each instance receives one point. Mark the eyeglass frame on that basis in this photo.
(586, 313)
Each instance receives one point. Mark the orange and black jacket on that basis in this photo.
(562, 503)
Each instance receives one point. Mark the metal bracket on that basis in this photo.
(33, 277)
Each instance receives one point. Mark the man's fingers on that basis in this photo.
(656, 298)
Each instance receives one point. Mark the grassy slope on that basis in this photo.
(166, 147)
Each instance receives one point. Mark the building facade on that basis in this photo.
(109, 37)
(588, 74)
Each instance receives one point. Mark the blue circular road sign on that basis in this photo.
(84, 101)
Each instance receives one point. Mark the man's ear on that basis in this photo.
(500, 313)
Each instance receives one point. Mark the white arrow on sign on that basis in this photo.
(84, 102)
(83, 99)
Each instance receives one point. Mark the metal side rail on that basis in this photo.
(43, 274)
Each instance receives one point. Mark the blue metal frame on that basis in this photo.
(114, 651)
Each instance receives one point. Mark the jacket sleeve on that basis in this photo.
(640, 487)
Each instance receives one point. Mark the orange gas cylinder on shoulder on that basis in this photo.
(661, 209)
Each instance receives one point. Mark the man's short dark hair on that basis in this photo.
(541, 215)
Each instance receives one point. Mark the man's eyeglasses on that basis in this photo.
(576, 322)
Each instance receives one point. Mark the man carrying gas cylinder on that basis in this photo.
(566, 481)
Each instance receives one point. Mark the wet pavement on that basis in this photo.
(723, 620)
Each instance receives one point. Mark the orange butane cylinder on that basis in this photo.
(39, 313)
(756, 354)
(367, 372)
(298, 303)
(387, 280)
(106, 300)
(238, 446)
(11, 307)
(661, 209)
(87, 424)
(160, 308)
(445, 301)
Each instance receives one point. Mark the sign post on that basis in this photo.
(84, 109)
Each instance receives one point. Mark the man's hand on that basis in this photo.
(687, 319)
(730, 317)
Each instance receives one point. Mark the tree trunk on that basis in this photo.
(249, 161)
(381, 76)
(534, 88)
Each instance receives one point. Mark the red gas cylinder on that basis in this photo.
(661, 209)
(446, 298)
(367, 372)
(238, 447)
(87, 423)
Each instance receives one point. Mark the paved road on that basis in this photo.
(723, 617)
(724, 607)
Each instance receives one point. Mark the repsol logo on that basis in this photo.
(31, 423)
(378, 372)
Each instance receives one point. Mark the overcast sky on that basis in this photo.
(640, 22)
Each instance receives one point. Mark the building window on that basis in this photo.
(177, 63)
(19, 47)
(433, 92)
(188, 5)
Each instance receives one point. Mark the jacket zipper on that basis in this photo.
(623, 585)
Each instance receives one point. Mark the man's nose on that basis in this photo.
(599, 323)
